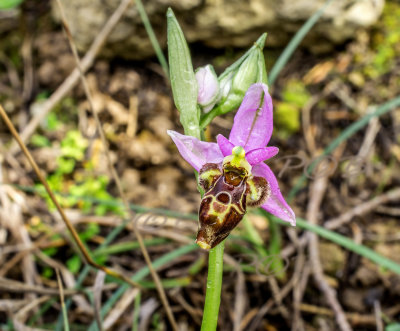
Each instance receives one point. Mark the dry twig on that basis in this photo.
(64, 217)
(256, 320)
(317, 192)
(359, 210)
(363, 208)
(13, 286)
(301, 274)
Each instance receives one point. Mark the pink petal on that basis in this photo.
(275, 204)
(207, 82)
(252, 128)
(224, 145)
(261, 154)
(196, 152)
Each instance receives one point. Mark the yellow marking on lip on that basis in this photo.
(203, 244)
(221, 215)
(237, 160)
(211, 172)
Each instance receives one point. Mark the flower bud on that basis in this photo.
(236, 80)
(246, 75)
(208, 87)
(225, 85)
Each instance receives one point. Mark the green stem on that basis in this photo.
(213, 291)
(214, 279)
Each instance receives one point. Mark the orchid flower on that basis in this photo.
(232, 171)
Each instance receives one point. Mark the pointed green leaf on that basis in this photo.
(183, 80)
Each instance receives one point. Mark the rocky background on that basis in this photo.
(221, 23)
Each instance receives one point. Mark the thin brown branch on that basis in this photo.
(276, 292)
(317, 192)
(20, 316)
(13, 286)
(363, 208)
(97, 289)
(301, 275)
(114, 173)
(240, 293)
(64, 217)
(266, 307)
(334, 223)
(355, 318)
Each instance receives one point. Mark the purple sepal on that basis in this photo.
(195, 152)
(261, 154)
(275, 204)
(224, 145)
(252, 126)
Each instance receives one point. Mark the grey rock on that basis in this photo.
(220, 23)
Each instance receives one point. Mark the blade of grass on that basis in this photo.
(344, 242)
(351, 245)
(53, 198)
(152, 37)
(64, 310)
(143, 273)
(109, 202)
(274, 245)
(383, 109)
(294, 43)
(167, 283)
(42, 309)
(300, 224)
(111, 236)
(127, 246)
(136, 311)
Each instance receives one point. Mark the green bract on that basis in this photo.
(183, 80)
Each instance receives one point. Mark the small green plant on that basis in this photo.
(73, 183)
(393, 327)
(9, 4)
(386, 42)
(287, 112)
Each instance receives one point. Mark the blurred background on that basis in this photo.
(345, 68)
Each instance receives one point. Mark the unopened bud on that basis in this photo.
(236, 80)
(208, 87)
(234, 86)
(225, 85)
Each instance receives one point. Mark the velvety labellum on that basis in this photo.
(223, 206)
